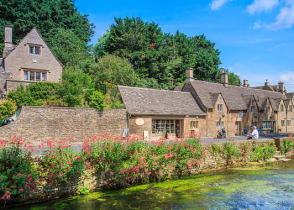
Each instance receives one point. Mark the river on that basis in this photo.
(267, 188)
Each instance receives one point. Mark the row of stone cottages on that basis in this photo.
(198, 107)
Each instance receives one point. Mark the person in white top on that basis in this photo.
(254, 134)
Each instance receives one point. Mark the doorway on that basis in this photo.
(238, 128)
(178, 129)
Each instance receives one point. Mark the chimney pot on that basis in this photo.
(266, 83)
(245, 83)
(189, 75)
(224, 77)
(8, 34)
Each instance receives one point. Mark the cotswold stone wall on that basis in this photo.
(43, 123)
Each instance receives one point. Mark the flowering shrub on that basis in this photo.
(263, 152)
(133, 161)
(61, 166)
(287, 145)
(17, 175)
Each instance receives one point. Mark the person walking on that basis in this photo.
(254, 134)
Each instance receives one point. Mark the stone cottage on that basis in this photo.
(205, 108)
(31, 60)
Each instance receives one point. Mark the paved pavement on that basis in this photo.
(242, 138)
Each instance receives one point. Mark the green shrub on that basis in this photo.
(7, 109)
(287, 145)
(263, 152)
(230, 151)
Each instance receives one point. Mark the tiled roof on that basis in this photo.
(234, 96)
(146, 101)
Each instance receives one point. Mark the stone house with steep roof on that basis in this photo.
(31, 60)
(205, 108)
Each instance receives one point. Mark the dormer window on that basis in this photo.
(220, 108)
(282, 108)
(252, 109)
(35, 50)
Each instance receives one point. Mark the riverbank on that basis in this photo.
(114, 164)
(260, 187)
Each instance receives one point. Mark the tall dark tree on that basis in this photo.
(45, 15)
(154, 54)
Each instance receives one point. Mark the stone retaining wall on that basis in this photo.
(43, 123)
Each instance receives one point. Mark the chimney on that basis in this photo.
(189, 76)
(224, 77)
(239, 83)
(245, 83)
(8, 45)
(266, 83)
(281, 87)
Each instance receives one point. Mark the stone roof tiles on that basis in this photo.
(234, 96)
(146, 101)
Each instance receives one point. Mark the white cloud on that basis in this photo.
(285, 18)
(262, 6)
(217, 4)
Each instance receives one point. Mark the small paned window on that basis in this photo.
(44, 76)
(252, 109)
(290, 108)
(194, 124)
(282, 123)
(159, 126)
(220, 124)
(32, 76)
(288, 122)
(282, 108)
(219, 107)
(267, 125)
(267, 110)
(26, 75)
(38, 76)
(36, 50)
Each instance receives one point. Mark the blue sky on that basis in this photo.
(255, 37)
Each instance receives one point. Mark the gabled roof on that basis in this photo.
(236, 97)
(268, 87)
(32, 41)
(146, 101)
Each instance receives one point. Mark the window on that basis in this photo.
(220, 124)
(282, 108)
(158, 126)
(38, 76)
(282, 123)
(288, 122)
(34, 49)
(31, 50)
(252, 109)
(220, 107)
(32, 76)
(194, 124)
(267, 110)
(290, 108)
(44, 76)
(267, 125)
(26, 75)
(37, 50)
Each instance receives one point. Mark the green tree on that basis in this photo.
(110, 71)
(7, 109)
(67, 46)
(163, 57)
(234, 79)
(74, 85)
(45, 15)
(96, 99)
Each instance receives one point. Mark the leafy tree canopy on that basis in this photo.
(154, 54)
(67, 46)
(45, 15)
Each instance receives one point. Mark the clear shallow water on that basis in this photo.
(252, 188)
